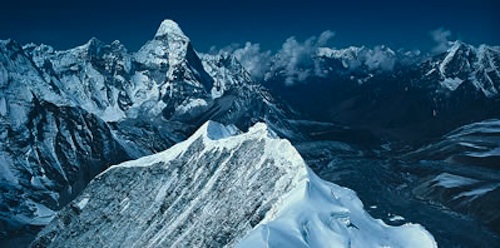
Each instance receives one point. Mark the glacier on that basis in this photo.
(222, 188)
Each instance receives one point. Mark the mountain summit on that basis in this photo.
(169, 27)
(220, 189)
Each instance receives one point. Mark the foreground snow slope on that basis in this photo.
(221, 188)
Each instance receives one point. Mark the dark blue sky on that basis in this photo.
(397, 23)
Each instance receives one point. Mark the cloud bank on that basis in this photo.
(296, 61)
(380, 58)
(255, 61)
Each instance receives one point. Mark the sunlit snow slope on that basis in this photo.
(221, 188)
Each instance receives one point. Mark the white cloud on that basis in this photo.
(295, 59)
(325, 37)
(380, 58)
(255, 61)
(441, 37)
(226, 49)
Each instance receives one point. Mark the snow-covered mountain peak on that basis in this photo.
(93, 42)
(246, 190)
(345, 53)
(464, 63)
(488, 56)
(169, 27)
(8, 42)
(169, 48)
(458, 44)
(457, 51)
(172, 58)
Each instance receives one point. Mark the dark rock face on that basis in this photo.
(51, 159)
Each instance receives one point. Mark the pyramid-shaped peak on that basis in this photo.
(169, 27)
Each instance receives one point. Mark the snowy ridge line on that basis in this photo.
(222, 188)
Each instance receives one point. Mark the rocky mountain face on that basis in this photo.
(48, 152)
(220, 188)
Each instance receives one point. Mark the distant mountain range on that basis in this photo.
(399, 96)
